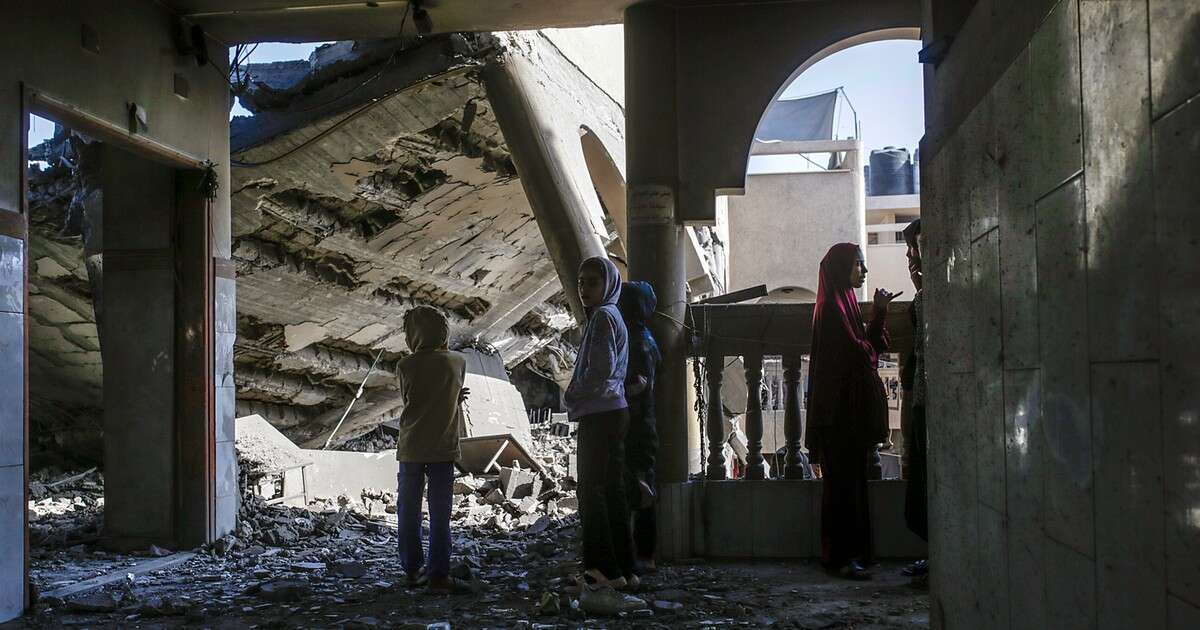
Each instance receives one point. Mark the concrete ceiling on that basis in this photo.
(241, 21)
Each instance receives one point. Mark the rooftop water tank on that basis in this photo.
(891, 172)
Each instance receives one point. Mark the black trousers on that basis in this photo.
(645, 520)
(916, 500)
(603, 508)
(845, 509)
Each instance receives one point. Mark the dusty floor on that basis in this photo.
(334, 565)
(518, 584)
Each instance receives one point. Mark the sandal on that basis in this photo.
(447, 586)
(854, 571)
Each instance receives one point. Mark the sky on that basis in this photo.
(882, 80)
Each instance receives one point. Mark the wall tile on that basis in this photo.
(12, 274)
(1057, 132)
(948, 278)
(1062, 323)
(726, 519)
(1177, 198)
(1127, 442)
(12, 379)
(993, 570)
(1018, 247)
(981, 175)
(1122, 256)
(953, 497)
(989, 382)
(1023, 484)
(223, 361)
(226, 402)
(225, 309)
(1070, 589)
(1174, 52)
(227, 470)
(12, 541)
(784, 524)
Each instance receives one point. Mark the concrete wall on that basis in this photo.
(41, 43)
(1059, 196)
(887, 267)
(782, 227)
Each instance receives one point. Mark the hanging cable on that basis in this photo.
(357, 395)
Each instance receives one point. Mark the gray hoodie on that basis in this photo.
(598, 383)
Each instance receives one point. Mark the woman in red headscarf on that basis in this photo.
(847, 407)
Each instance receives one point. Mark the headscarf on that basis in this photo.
(843, 364)
(637, 303)
(426, 329)
(612, 279)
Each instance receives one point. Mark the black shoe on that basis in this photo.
(920, 567)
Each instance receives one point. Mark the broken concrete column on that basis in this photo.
(562, 215)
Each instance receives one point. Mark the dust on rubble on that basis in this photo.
(334, 564)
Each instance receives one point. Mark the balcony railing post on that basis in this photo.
(754, 416)
(793, 468)
(715, 425)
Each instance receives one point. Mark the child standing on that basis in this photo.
(637, 304)
(431, 383)
(596, 400)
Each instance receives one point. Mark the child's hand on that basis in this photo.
(463, 395)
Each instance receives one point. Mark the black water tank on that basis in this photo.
(891, 172)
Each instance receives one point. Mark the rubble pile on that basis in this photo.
(515, 547)
(65, 509)
(373, 441)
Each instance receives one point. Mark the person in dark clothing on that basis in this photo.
(637, 304)
(596, 400)
(847, 414)
(916, 511)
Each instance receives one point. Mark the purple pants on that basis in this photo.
(410, 486)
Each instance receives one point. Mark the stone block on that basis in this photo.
(1177, 195)
(517, 483)
(12, 541)
(1174, 53)
(987, 340)
(12, 394)
(1023, 486)
(1123, 262)
(1070, 588)
(12, 274)
(1062, 324)
(1127, 443)
(1057, 135)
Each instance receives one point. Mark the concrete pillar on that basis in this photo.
(139, 351)
(165, 468)
(13, 354)
(561, 214)
(656, 238)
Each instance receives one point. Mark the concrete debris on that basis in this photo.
(333, 564)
